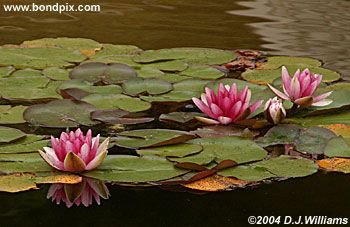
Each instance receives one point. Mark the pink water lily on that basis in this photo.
(227, 106)
(74, 152)
(274, 110)
(83, 193)
(301, 88)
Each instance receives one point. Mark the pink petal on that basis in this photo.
(226, 105)
(88, 137)
(51, 158)
(278, 93)
(84, 152)
(246, 101)
(211, 97)
(295, 88)
(311, 89)
(233, 92)
(255, 106)
(216, 110)
(322, 96)
(207, 120)
(235, 110)
(304, 85)
(225, 120)
(103, 147)
(323, 102)
(69, 147)
(286, 78)
(204, 108)
(96, 161)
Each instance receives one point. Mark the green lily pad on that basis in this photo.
(117, 101)
(278, 61)
(60, 114)
(190, 55)
(25, 167)
(173, 77)
(55, 73)
(22, 157)
(179, 117)
(337, 147)
(280, 134)
(6, 71)
(95, 72)
(177, 150)
(28, 144)
(26, 73)
(132, 169)
(116, 50)
(288, 166)
(90, 88)
(12, 115)
(32, 89)
(8, 135)
(169, 66)
(39, 58)
(83, 45)
(233, 148)
(203, 158)
(247, 172)
(203, 72)
(148, 72)
(336, 118)
(151, 138)
(150, 86)
(260, 76)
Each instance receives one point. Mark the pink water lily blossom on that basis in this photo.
(74, 152)
(83, 193)
(227, 106)
(301, 88)
(274, 110)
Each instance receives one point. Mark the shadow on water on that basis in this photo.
(321, 194)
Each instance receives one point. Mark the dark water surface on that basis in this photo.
(301, 28)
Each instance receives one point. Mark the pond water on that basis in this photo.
(299, 28)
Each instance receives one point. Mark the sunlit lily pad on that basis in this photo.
(150, 86)
(85, 46)
(117, 101)
(288, 166)
(6, 71)
(151, 138)
(177, 150)
(169, 66)
(148, 72)
(260, 76)
(280, 134)
(11, 115)
(203, 72)
(341, 117)
(335, 164)
(116, 50)
(25, 167)
(188, 54)
(337, 147)
(105, 73)
(133, 169)
(60, 114)
(247, 172)
(28, 144)
(179, 117)
(118, 117)
(275, 62)
(55, 73)
(216, 183)
(21, 157)
(26, 73)
(37, 58)
(10, 134)
(90, 88)
(340, 129)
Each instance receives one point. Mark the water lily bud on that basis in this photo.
(274, 111)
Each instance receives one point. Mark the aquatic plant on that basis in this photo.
(274, 110)
(301, 88)
(227, 106)
(74, 152)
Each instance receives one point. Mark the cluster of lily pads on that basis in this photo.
(142, 101)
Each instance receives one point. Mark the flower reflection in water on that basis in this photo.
(83, 193)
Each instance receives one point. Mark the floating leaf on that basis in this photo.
(190, 55)
(335, 164)
(151, 138)
(216, 183)
(26, 73)
(169, 66)
(288, 166)
(275, 62)
(116, 101)
(340, 129)
(39, 58)
(203, 72)
(85, 46)
(179, 117)
(24, 167)
(109, 50)
(28, 144)
(16, 183)
(268, 76)
(150, 86)
(60, 114)
(220, 131)
(335, 118)
(8, 135)
(118, 117)
(6, 71)
(337, 147)
(55, 73)
(280, 134)
(11, 115)
(177, 150)
(247, 172)
(95, 72)
(21, 157)
(89, 87)
(132, 169)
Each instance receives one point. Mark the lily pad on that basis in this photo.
(39, 58)
(179, 117)
(117, 101)
(8, 135)
(6, 71)
(247, 172)
(95, 72)
(116, 50)
(11, 115)
(118, 117)
(335, 118)
(150, 86)
(28, 144)
(288, 166)
(133, 169)
(21, 157)
(90, 88)
(55, 73)
(26, 73)
(169, 66)
(203, 72)
(280, 134)
(177, 150)
(275, 62)
(335, 164)
(60, 114)
(25, 167)
(260, 76)
(151, 138)
(148, 72)
(190, 55)
(337, 147)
